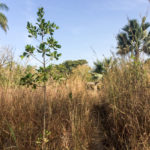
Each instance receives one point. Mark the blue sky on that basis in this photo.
(84, 24)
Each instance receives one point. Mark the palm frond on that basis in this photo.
(134, 38)
(3, 6)
(3, 22)
(99, 67)
(146, 45)
(123, 40)
(145, 26)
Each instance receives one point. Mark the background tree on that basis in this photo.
(134, 39)
(47, 46)
(101, 67)
(98, 67)
(70, 64)
(3, 18)
(65, 69)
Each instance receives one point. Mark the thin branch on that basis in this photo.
(36, 58)
(47, 61)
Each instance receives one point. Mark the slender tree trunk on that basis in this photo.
(44, 116)
(137, 54)
(44, 102)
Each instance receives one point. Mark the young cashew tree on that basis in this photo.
(44, 50)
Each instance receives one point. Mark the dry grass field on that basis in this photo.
(116, 117)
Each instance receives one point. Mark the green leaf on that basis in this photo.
(42, 46)
(58, 55)
(30, 36)
(39, 51)
(58, 46)
(21, 56)
(48, 55)
(57, 27)
(29, 48)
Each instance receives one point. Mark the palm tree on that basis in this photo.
(134, 39)
(3, 18)
(99, 67)
(102, 67)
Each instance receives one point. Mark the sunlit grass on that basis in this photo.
(115, 117)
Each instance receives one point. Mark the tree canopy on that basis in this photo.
(134, 39)
(64, 69)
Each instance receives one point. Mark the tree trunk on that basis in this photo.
(137, 55)
(44, 102)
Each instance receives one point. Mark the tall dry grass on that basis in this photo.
(124, 111)
(67, 117)
(115, 118)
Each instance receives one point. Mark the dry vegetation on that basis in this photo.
(116, 117)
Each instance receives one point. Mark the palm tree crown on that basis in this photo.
(134, 39)
(102, 66)
(3, 18)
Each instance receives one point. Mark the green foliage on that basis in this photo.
(134, 39)
(40, 139)
(65, 69)
(43, 30)
(70, 64)
(47, 47)
(101, 67)
(29, 79)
